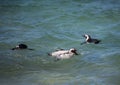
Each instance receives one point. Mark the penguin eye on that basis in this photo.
(73, 50)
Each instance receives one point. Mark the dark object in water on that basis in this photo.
(21, 46)
(90, 40)
(63, 54)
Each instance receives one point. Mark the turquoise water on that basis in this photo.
(46, 25)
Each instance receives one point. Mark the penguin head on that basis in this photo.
(20, 46)
(73, 50)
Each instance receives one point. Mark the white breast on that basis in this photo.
(65, 56)
(62, 54)
(57, 53)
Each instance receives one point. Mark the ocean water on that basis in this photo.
(46, 25)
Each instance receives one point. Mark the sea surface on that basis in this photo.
(46, 25)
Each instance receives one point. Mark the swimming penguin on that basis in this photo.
(64, 54)
(21, 46)
(90, 40)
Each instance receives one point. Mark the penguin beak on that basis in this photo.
(13, 48)
(84, 36)
(76, 53)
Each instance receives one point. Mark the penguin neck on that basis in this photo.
(88, 38)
